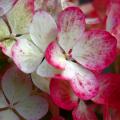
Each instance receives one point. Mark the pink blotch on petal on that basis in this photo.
(62, 94)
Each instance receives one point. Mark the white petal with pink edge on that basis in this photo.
(95, 50)
(26, 55)
(71, 24)
(83, 81)
(55, 56)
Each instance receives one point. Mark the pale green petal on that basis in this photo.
(20, 17)
(4, 31)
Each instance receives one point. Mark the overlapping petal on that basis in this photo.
(46, 70)
(43, 29)
(83, 81)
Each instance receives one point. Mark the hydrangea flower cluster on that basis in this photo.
(60, 59)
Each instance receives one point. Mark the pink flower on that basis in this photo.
(77, 51)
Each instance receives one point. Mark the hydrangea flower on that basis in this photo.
(62, 41)
(77, 51)
(16, 100)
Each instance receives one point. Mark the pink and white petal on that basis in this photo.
(3, 102)
(32, 108)
(55, 56)
(6, 5)
(43, 29)
(16, 85)
(41, 82)
(26, 55)
(24, 10)
(8, 115)
(71, 24)
(83, 81)
(109, 90)
(83, 113)
(96, 50)
(46, 70)
(62, 94)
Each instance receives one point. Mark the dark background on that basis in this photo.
(84, 1)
